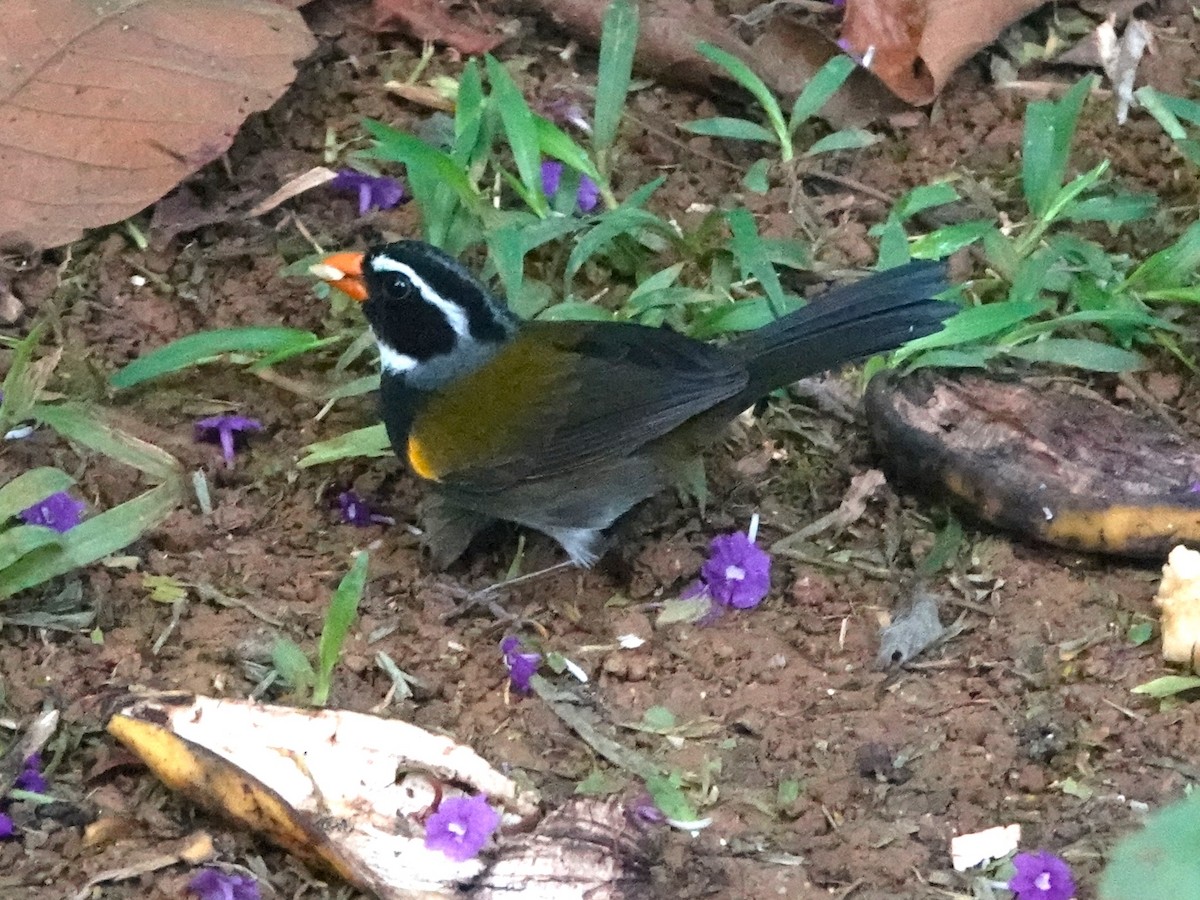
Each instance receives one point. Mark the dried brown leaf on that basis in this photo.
(106, 107)
(915, 45)
(430, 20)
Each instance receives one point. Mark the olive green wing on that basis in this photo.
(563, 396)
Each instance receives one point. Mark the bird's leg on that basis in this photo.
(486, 596)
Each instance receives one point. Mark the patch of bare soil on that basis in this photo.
(1025, 716)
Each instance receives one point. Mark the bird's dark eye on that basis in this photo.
(401, 287)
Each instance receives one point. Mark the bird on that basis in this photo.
(564, 426)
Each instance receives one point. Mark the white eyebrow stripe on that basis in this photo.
(454, 313)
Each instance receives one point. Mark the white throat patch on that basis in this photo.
(455, 315)
(393, 361)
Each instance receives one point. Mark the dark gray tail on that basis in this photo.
(848, 322)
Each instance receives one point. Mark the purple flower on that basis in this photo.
(31, 778)
(7, 828)
(738, 572)
(357, 512)
(224, 430)
(461, 826)
(1041, 876)
(521, 666)
(588, 194)
(213, 884)
(374, 191)
(59, 511)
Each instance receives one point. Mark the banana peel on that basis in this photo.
(344, 791)
(1059, 466)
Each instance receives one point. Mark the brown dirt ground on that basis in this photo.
(990, 726)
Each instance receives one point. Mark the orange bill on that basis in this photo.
(344, 272)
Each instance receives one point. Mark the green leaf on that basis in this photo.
(469, 110)
(343, 608)
(1049, 129)
(354, 388)
(1162, 860)
(669, 797)
(396, 146)
(742, 315)
(848, 139)
(970, 358)
(735, 129)
(94, 539)
(206, 345)
(1167, 686)
(164, 588)
(657, 282)
(788, 252)
(923, 197)
(21, 384)
(941, 243)
(944, 550)
(521, 131)
(292, 665)
(755, 179)
(1139, 633)
(1082, 354)
(555, 142)
(606, 229)
(1171, 267)
(24, 539)
(658, 719)
(820, 88)
(91, 427)
(597, 784)
(742, 74)
(370, 441)
(751, 253)
(29, 488)
(973, 324)
(893, 245)
(1111, 208)
(618, 40)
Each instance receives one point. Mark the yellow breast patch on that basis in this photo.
(418, 460)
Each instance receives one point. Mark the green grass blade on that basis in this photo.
(195, 348)
(521, 131)
(820, 88)
(553, 141)
(1171, 267)
(396, 146)
(24, 382)
(1046, 146)
(91, 428)
(370, 441)
(1078, 353)
(734, 129)
(610, 226)
(29, 488)
(849, 139)
(751, 253)
(24, 539)
(973, 324)
(468, 115)
(923, 197)
(293, 666)
(94, 539)
(618, 40)
(343, 608)
(941, 243)
(742, 74)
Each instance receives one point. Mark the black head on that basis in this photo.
(422, 304)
